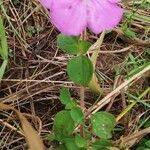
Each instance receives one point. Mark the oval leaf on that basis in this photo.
(77, 115)
(72, 104)
(72, 44)
(80, 70)
(71, 145)
(65, 96)
(68, 43)
(84, 46)
(102, 124)
(63, 125)
(101, 144)
(80, 141)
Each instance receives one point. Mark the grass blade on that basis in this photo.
(3, 41)
(2, 68)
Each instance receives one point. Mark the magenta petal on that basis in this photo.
(103, 15)
(69, 16)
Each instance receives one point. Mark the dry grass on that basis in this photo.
(37, 70)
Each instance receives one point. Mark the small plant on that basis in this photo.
(94, 133)
(72, 127)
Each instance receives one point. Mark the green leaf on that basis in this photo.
(71, 105)
(129, 33)
(148, 51)
(102, 124)
(68, 43)
(147, 143)
(3, 41)
(3, 68)
(63, 125)
(101, 144)
(142, 148)
(77, 115)
(80, 141)
(72, 44)
(71, 145)
(65, 96)
(84, 46)
(51, 137)
(80, 70)
(147, 124)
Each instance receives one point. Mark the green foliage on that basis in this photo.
(80, 141)
(147, 124)
(66, 99)
(134, 65)
(65, 96)
(80, 70)
(63, 125)
(3, 48)
(142, 148)
(147, 143)
(148, 51)
(2, 68)
(103, 124)
(126, 27)
(83, 47)
(71, 105)
(3, 41)
(129, 33)
(72, 44)
(61, 147)
(77, 115)
(71, 145)
(66, 121)
(144, 144)
(101, 144)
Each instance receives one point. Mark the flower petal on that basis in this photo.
(69, 16)
(103, 15)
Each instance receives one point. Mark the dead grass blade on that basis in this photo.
(94, 85)
(116, 91)
(132, 139)
(32, 138)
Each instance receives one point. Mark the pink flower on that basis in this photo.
(71, 17)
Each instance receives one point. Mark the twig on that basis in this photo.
(10, 126)
(118, 81)
(135, 41)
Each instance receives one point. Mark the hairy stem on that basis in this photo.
(82, 103)
(82, 90)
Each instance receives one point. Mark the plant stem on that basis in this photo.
(82, 90)
(82, 105)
